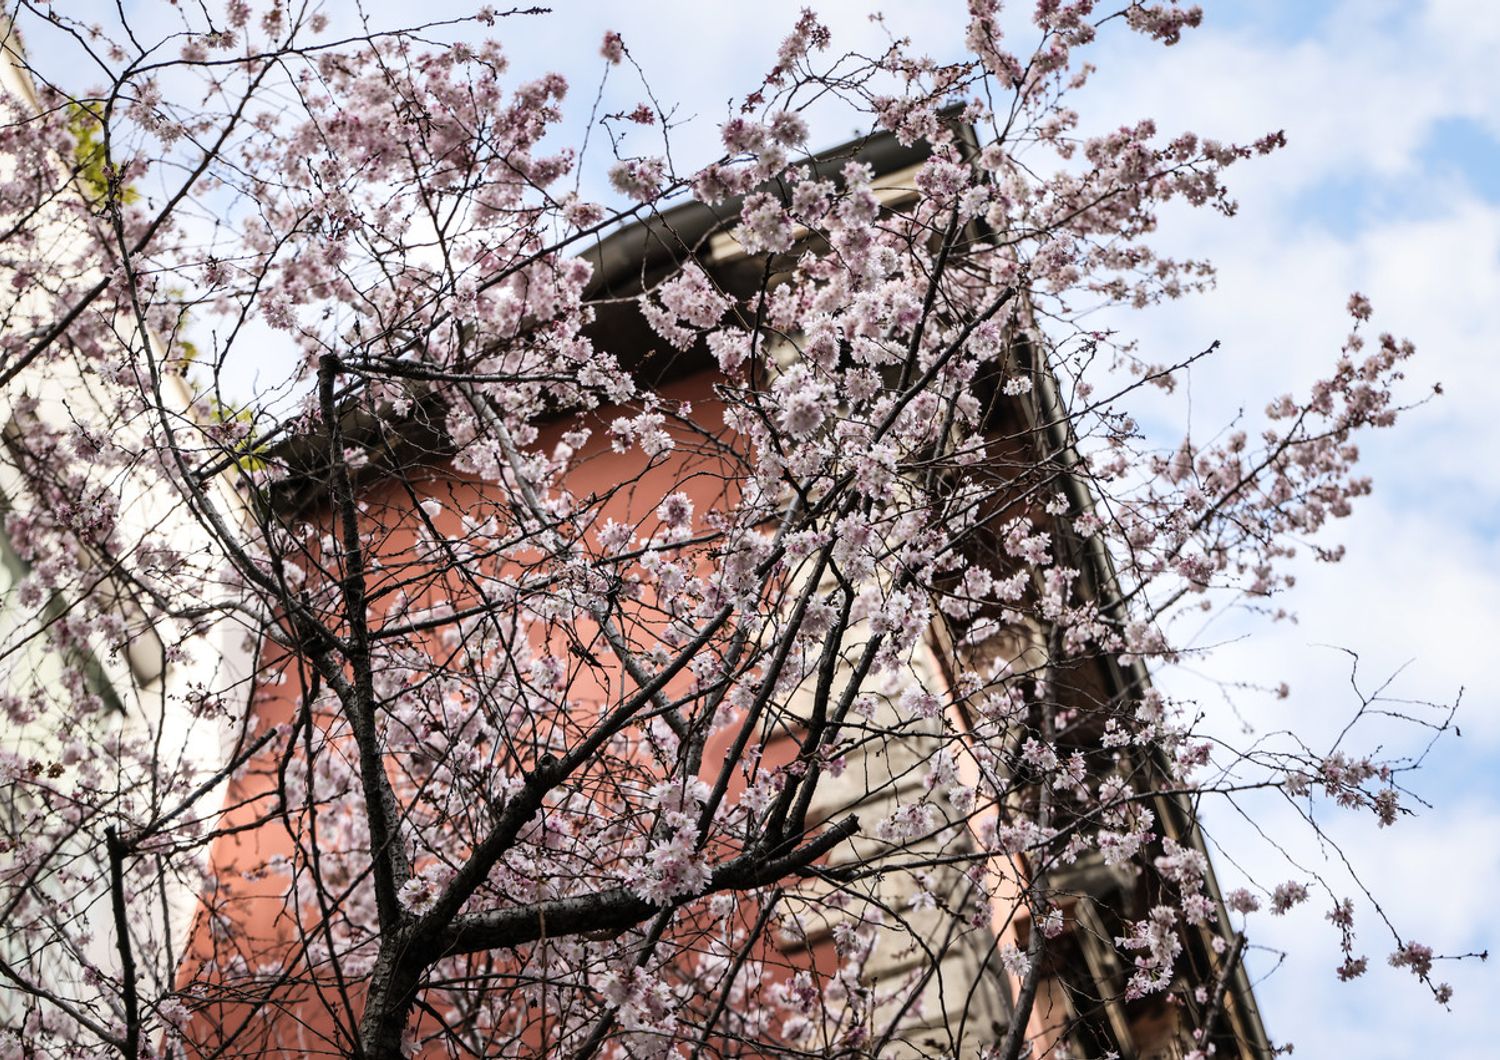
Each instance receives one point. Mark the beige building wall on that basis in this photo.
(54, 900)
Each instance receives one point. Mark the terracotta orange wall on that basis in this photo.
(256, 921)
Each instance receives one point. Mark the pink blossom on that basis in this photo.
(1287, 895)
(613, 47)
(1242, 901)
(640, 178)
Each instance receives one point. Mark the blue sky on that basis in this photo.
(1390, 185)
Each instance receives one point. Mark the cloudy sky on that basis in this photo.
(1390, 185)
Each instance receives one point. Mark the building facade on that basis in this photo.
(939, 955)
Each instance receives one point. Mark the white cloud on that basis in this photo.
(1433, 880)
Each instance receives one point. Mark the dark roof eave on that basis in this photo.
(624, 263)
(1127, 679)
(666, 240)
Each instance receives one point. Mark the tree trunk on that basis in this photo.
(393, 991)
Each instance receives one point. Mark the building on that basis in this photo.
(935, 961)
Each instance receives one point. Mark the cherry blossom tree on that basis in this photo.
(694, 623)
